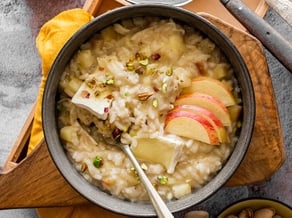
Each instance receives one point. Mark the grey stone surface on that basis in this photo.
(19, 71)
(20, 74)
(18, 213)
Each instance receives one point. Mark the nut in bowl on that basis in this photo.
(166, 82)
(257, 208)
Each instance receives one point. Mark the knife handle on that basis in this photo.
(270, 38)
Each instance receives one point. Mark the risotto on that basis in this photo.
(163, 88)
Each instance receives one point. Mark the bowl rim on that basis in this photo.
(66, 168)
(242, 203)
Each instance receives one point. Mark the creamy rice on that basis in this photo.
(140, 66)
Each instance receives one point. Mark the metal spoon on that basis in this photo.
(157, 202)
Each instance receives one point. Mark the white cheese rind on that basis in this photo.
(161, 150)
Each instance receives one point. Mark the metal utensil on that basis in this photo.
(170, 2)
(270, 38)
(157, 202)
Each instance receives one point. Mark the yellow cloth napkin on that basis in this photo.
(51, 38)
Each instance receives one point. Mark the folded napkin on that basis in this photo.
(51, 38)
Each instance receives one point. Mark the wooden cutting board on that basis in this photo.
(34, 181)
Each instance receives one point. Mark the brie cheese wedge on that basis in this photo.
(98, 104)
(163, 150)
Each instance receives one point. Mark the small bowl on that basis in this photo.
(58, 154)
(257, 203)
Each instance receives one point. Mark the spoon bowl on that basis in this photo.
(157, 202)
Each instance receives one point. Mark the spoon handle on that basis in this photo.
(159, 205)
(271, 39)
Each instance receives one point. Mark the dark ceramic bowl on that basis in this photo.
(58, 153)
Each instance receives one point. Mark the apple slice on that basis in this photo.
(208, 102)
(216, 123)
(163, 150)
(211, 87)
(191, 125)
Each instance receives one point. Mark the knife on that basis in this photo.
(270, 38)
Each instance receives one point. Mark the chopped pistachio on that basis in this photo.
(162, 180)
(97, 162)
(155, 102)
(126, 94)
(130, 66)
(144, 62)
(164, 87)
(133, 171)
(108, 82)
(169, 71)
(133, 134)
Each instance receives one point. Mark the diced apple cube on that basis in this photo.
(176, 44)
(85, 58)
(108, 34)
(72, 86)
(221, 71)
(68, 133)
(181, 190)
(174, 47)
(235, 112)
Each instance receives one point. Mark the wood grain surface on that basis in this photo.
(34, 181)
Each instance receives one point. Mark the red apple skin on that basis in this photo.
(216, 123)
(204, 101)
(186, 124)
(225, 95)
(200, 110)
